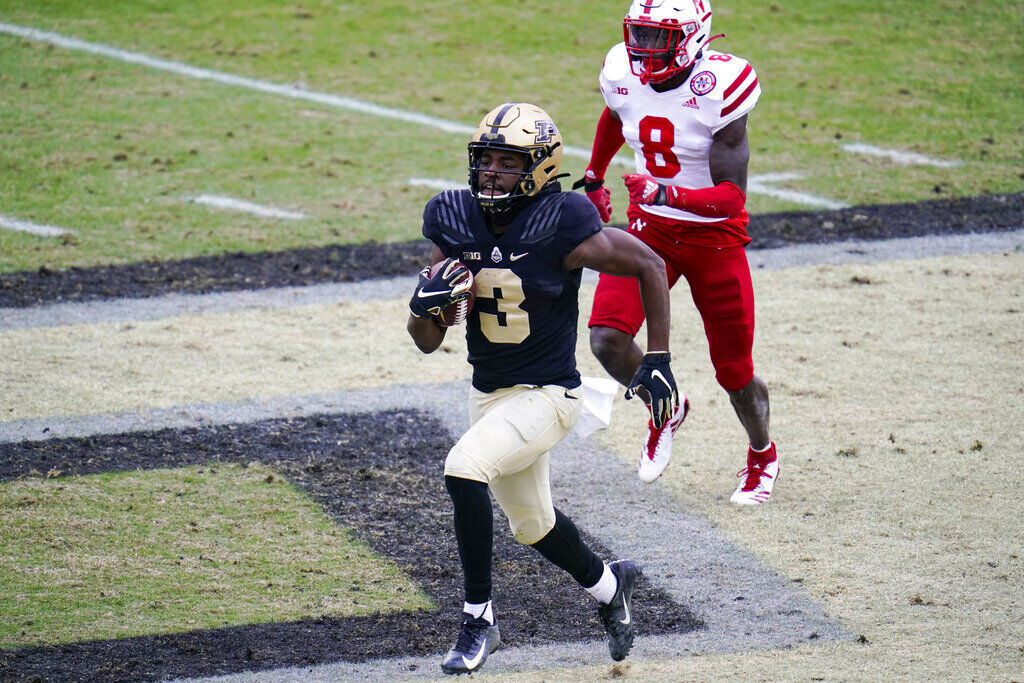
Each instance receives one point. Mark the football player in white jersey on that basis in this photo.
(682, 108)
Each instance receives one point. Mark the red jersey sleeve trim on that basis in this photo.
(739, 100)
(735, 84)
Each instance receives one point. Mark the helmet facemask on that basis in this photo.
(659, 50)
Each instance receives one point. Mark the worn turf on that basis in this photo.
(375, 473)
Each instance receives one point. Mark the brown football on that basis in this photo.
(457, 313)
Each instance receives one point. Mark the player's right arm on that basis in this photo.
(727, 161)
(608, 140)
(426, 333)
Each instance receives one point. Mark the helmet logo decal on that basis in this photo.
(545, 129)
(703, 83)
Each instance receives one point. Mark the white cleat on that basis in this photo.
(756, 479)
(657, 450)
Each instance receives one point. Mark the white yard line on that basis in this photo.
(8, 223)
(242, 205)
(230, 79)
(759, 184)
(437, 184)
(897, 156)
(338, 101)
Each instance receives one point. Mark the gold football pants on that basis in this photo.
(507, 447)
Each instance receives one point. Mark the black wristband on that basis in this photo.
(588, 186)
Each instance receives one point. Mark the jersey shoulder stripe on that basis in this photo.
(730, 108)
(739, 88)
(543, 222)
(452, 217)
(739, 80)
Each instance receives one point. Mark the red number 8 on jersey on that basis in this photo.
(657, 135)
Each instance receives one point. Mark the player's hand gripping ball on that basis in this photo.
(446, 292)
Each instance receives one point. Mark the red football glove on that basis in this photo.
(597, 193)
(643, 189)
(725, 199)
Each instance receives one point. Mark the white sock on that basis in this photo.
(604, 589)
(762, 450)
(479, 610)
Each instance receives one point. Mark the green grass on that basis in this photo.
(114, 151)
(140, 553)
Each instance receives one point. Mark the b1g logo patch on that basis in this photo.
(703, 83)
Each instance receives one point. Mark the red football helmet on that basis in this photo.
(664, 37)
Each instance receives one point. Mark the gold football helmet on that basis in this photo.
(525, 129)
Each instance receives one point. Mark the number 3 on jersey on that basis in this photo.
(511, 324)
(657, 135)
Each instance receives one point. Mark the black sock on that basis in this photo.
(474, 531)
(564, 547)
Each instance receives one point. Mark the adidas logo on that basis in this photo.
(691, 103)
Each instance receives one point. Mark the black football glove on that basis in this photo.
(436, 292)
(655, 375)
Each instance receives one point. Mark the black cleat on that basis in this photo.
(616, 616)
(477, 640)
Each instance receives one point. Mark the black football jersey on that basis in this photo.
(522, 329)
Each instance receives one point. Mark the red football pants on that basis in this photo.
(719, 279)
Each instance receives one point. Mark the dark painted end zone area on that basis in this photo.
(379, 474)
(348, 263)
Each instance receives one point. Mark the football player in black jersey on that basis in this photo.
(526, 243)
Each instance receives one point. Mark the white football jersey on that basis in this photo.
(671, 132)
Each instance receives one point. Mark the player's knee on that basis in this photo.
(734, 375)
(605, 344)
(460, 463)
(530, 529)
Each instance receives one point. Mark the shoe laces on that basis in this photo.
(471, 629)
(753, 473)
(653, 436)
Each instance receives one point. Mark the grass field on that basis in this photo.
(902, 378)
(115, 151)
(117, 555)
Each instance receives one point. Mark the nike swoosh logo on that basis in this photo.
(568, 395)
(473, 663)
(424, 293)
(625, 622)
(516, 257)
(657, 373)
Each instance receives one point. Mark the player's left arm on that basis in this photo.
(727, 161)
(616, 252)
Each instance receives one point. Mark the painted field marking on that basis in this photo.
(338, 101)
(8, 223)
(242, 205)
(761, 184)
(758, 184)
(437, 184)
(229, 79)
(898, 156)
